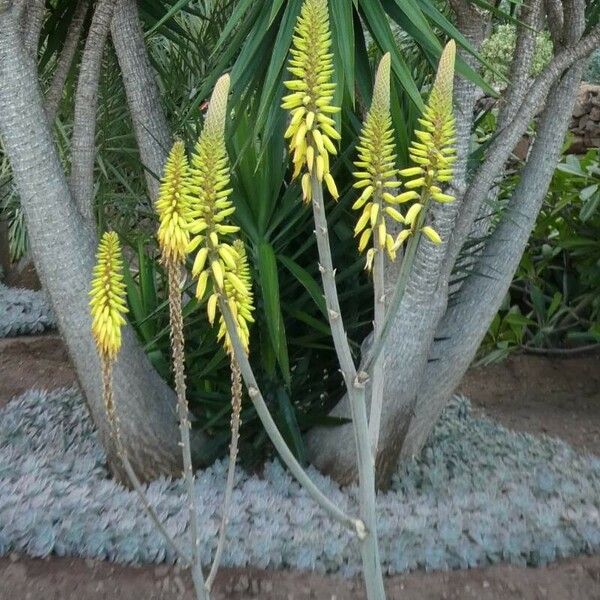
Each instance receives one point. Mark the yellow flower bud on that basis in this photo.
(108, 297)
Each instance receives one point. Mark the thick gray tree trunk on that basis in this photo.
(83, 139)
(63, 250)
(149, 122)
(65, 61)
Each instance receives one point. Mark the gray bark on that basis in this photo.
(63, 249)
(63, 66)
(34, 15)
(83, 139)
(521, 65)
(149, 122)
(503, 144)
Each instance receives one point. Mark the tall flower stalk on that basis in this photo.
(376, 179)
(312, 135)
(173, 208)
(433, 154)
(220, 264)
(107, 307)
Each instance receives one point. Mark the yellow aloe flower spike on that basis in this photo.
(108, 297)
(210, 206)
(433, 151)
(376, 170)
(311, 131)
(218, 258)
(173, 205)
(238, 292)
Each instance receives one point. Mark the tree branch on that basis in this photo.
(59, 78)
(521, 64)
(36, 11)
(554, 20)
(149, 121)
(499, 150)
(83, 146)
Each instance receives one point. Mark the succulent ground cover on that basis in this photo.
(479, 494)
(24, 312)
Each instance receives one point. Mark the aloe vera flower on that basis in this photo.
(108, 297)
(218, 258)
(433, 152)
(376, 171)
(173, 206)
(311, 130)
(210, 189)
(238, 291)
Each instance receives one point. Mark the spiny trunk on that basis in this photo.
(63, 249)
(466, 322)
(59, 77)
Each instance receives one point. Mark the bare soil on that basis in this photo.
(558, 397)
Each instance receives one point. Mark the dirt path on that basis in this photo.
(69, 579)
(37, 361)
(556, 396)
(559, 397)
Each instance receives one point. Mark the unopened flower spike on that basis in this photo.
(376, 171)
(311, 132)
(108, 297)
(433, 152)
(173, 206)
(210, 189)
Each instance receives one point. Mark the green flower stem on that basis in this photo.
(355, 384)
(273, 432)
(177, 347)
(378, 320)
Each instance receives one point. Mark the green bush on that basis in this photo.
(554, 300)
(499, 48)
(592, 71)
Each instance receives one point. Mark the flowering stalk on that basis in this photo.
(223, 264)
(240, 302)
(173, 208)
(433, 155)
(311, 132)
(236, 421)
(375, 176)
(107, 306)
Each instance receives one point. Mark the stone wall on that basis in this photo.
(585, 124)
